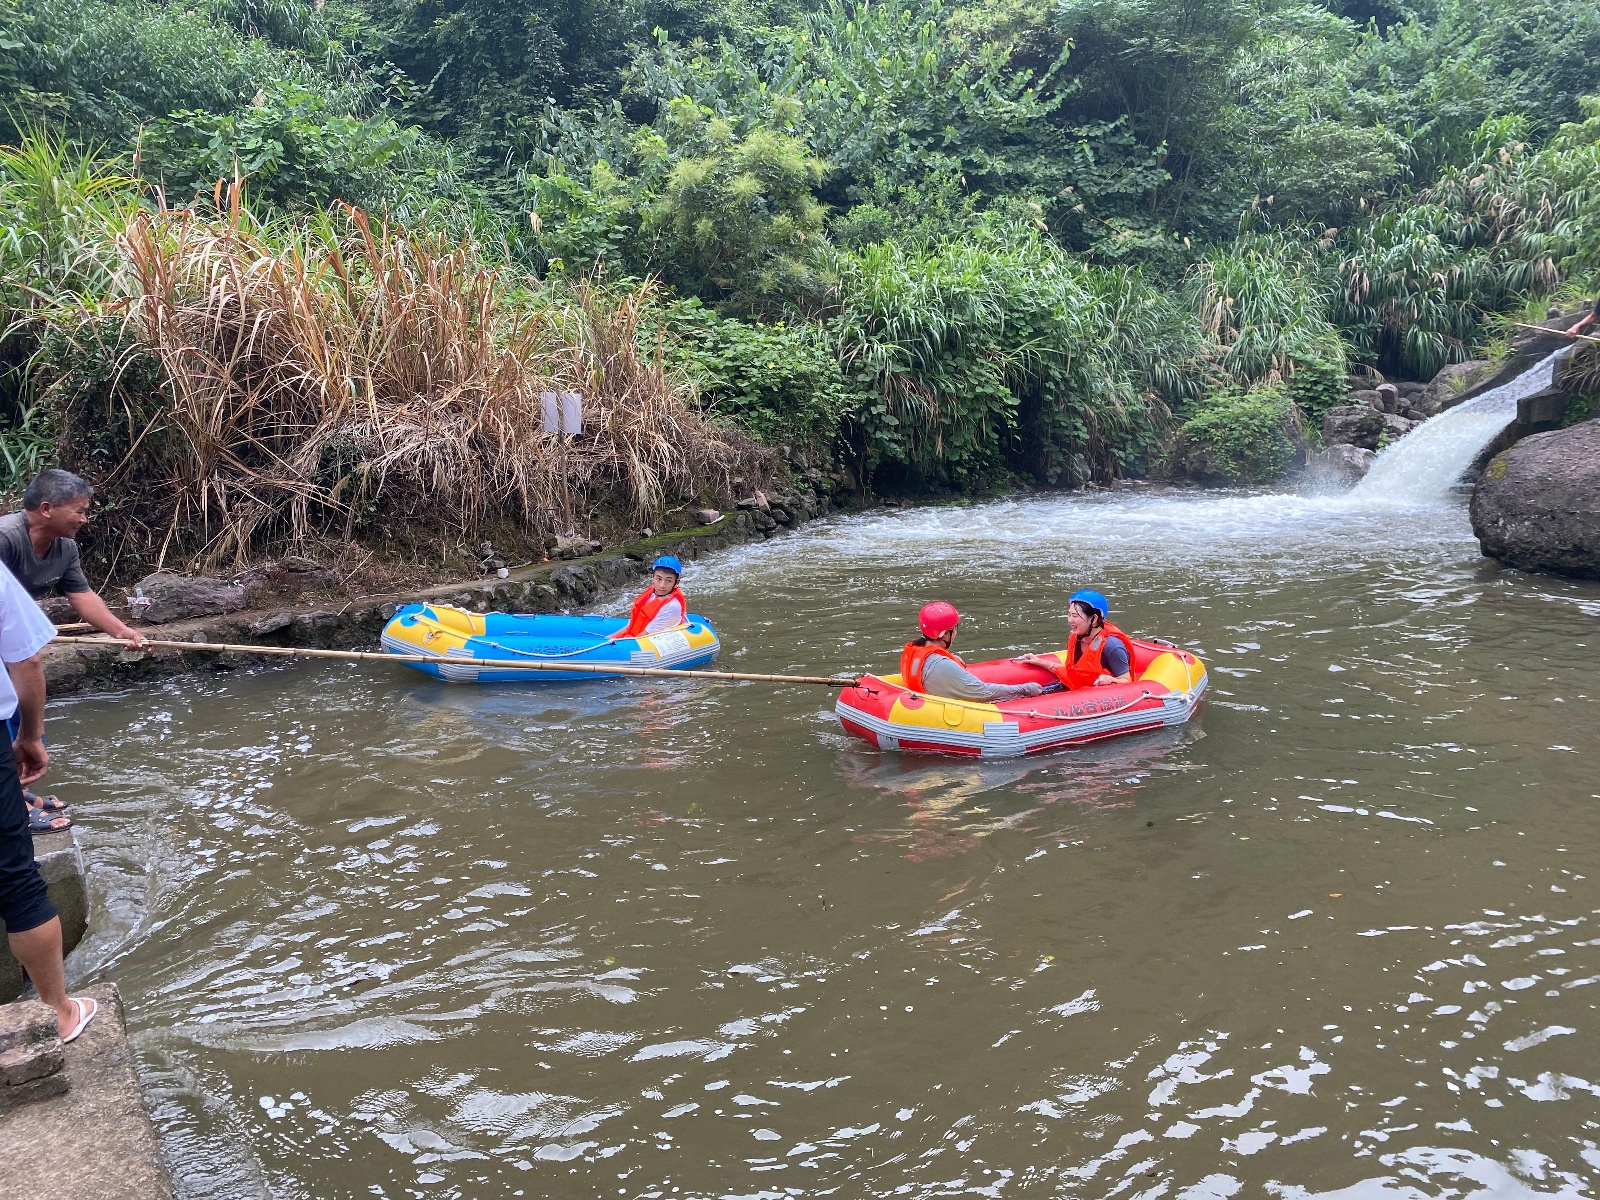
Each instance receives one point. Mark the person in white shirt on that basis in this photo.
(32, 926)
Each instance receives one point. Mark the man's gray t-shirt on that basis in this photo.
(946, 677)
(59, 568)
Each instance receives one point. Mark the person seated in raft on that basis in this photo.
(928, 666)
(661, 606)
(1098, 653)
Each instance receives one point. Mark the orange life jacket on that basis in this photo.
(646, 606)
(1082, 671)
(914, 657)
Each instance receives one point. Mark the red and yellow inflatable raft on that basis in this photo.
(1166, 688)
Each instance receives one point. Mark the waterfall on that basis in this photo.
(1423, 466)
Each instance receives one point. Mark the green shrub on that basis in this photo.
(1315, 387)
(1001, 351)
(780, 382)
(1241, 436)
(1580, 410)
(295, 147)
(105, 68)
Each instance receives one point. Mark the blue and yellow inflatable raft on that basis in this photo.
(459, 639)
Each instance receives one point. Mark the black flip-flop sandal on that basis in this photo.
(49, 804)
(40, 821)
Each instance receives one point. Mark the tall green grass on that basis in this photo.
(59, 212)
(1002, 351)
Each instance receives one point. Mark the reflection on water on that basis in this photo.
(1337, 937)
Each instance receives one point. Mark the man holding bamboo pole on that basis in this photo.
(38, 547)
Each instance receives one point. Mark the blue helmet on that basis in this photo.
(667, 563)
(1094, 600)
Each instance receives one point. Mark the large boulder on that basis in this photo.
(1447, 388)
(1355, 424)
(1537, 505)
(1343, 463)
(174, 597)
(1397, 426)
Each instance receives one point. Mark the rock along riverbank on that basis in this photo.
(547, 587)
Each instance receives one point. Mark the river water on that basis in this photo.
(1340, 936)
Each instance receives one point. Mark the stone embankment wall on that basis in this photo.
(548, 587)
(61, 864)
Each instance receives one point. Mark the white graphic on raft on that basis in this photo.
(1422, 467)
(670, 643)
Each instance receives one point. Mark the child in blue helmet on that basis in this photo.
(661, 606)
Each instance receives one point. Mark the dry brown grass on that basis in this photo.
(357, 372)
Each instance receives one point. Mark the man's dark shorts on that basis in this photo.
(24, 905)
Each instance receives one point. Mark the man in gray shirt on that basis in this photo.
(37, 546)
(929, 666)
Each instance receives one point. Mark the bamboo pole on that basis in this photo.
(1582, 337)
(495, 663)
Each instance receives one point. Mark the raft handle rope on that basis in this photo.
(1183, 657)
(836, 681)
(485, 640)
(439, 628)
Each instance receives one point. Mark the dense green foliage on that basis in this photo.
(1241, 436)
(782, 382)
(945, 242)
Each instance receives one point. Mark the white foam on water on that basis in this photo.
(1413, 479)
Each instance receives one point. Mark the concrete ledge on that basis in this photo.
(61, 863)
(95, 1142)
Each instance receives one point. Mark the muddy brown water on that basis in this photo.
(1340, 936)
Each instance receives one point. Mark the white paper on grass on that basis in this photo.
(561, 412)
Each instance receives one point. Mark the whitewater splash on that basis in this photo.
(1421, 468)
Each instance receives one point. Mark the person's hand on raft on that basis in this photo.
(1106, 681)
(1032, 689)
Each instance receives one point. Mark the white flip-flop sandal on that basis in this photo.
(85, 1015)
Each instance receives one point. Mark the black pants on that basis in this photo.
(24, 905)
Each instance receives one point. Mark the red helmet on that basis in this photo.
(937, 619)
